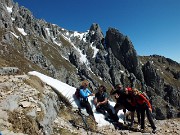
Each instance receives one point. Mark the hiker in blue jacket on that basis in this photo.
(84, 94)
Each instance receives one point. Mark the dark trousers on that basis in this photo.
(87, 105)
(138, 116)
(142, 109)
(103, 108)
(125, 105)
(118, 107)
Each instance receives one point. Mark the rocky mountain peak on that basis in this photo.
(95, 34)
(124, 51)
(96, 28)
(28, 43)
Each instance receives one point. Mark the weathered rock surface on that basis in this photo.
(28, 106)
(30, 101)
(28, 43)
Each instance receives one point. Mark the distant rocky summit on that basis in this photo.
(28, 43)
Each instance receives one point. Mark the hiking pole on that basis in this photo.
(84, 120)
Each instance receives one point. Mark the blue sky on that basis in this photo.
(152, 25)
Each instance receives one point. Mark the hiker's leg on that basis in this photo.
(89, 109)
(138, 116)
(131, 110)
(108, 109)
(100, 110)
(132, 118)
(149, 117)
(127, 114)
(124, 110)
(82, 104)
(117, 107)
(110, 112)
(142, 113)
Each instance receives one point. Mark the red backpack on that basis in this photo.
(77, 92)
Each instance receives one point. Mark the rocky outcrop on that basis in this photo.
(95, 33)
(172, 95)
(152, 78)
(124, 51)
(70, 56)
(36, 107)
(158, 74)
(8, 70)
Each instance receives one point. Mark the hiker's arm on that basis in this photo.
(112, 90)
(90, 93)
(103, 102)
(95, 100)
(83, 94)
(147, 102)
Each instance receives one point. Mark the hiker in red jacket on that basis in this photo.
(143, 105)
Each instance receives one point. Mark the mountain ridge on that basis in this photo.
(30, 44)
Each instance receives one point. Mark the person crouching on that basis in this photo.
(101, 103)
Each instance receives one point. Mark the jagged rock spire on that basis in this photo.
(124, 51)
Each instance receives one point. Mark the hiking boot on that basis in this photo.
(143, 131)
(131, 124)
(139, 127)
(127, 118)
(124, 119)
(108, 119)
(154, 131)
(118, 125)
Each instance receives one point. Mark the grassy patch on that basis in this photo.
(13, 58)
(66, 113)
(23, 123)
(65, 42)
(63, 131)
(40, 116)
(35, 82)
(70, 115)
(57, 60)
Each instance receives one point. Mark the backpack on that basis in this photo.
(77, 92)
(144, 94)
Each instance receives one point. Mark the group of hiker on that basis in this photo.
(130, 99)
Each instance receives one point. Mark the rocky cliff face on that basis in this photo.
(160, 75)
(27, 105)
(33, 44)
